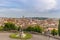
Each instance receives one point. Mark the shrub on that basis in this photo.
(9, 26)
(30, 29)
(54, 32)
(1, 28)
(37, 28)
(19, 28)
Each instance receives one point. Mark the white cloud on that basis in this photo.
(28, 6)
(42, 5)
(39, 5)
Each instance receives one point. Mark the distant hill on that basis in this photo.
(39, 18)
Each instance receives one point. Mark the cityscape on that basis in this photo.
(29, 19)
(26, 22)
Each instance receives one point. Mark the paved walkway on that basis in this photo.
(5, 36)
(41, 37)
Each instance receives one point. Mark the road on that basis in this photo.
(5, 36)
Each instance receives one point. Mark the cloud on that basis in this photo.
(34, 4)
(26, 7)
(39, 5)
(42, 5)
(11, 12)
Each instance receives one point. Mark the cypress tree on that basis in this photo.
(59, 28)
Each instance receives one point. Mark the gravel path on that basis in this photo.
(5, 36)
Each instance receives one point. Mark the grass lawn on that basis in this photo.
(16, 36)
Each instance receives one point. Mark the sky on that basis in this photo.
(30, 8)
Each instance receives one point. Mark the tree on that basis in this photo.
(37, 28)
(9, 26)
(30, 28)
(54, 32)
(19, 28)
(59, 28)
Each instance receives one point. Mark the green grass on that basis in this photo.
(28, 36)
(14, 36)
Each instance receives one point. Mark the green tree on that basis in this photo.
(59, 28)
(37, 28)
(19, 28)
(30, 28)
(9, 26)
(54, 32)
